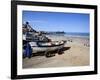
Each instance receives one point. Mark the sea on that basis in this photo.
(71, 34)
(77, 34)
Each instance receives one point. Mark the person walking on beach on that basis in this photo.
(28, 51)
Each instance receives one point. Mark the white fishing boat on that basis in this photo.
(46, 46)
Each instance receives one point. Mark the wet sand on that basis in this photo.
(76, 54)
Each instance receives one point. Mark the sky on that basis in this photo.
(57, 21)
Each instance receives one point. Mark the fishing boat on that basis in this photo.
(46, 47)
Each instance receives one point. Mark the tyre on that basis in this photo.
(49, 54)
(60, 52)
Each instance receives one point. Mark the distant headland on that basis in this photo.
(55, 32)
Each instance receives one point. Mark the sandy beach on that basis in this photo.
(76, 54)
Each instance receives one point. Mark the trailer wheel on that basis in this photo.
(49, 54)
(60, 52)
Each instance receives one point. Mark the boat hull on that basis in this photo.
(44, 49)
